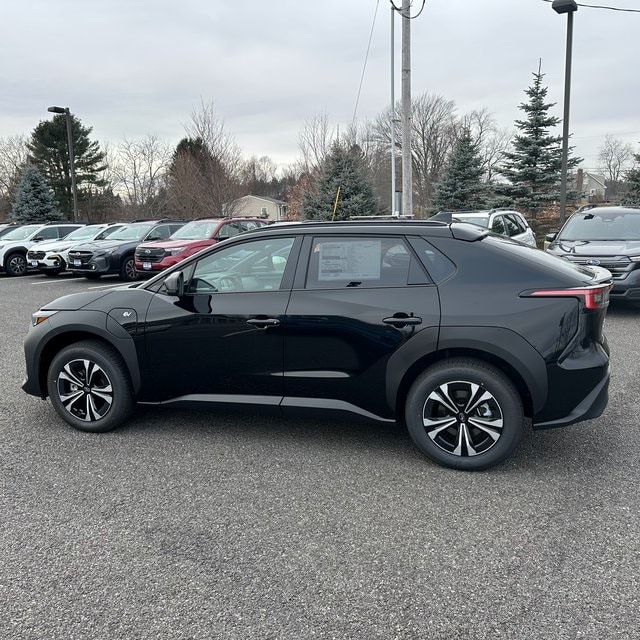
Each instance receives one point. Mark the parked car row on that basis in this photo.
(93, 250)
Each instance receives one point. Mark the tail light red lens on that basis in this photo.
(594, 297)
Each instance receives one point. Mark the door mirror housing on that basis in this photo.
(550, 237)
(174, 284)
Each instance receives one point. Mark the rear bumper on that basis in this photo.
(592, 406)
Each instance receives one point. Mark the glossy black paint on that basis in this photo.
(351, 348)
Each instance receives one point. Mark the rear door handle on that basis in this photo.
(400, 320)
(263, 323)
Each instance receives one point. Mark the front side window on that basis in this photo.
(358, 262)
(511, 227)
(250, 266)
(498, 225)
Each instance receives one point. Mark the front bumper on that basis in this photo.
(98, 264)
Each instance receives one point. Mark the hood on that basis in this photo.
(102, 244)
(75, 301)
(596, 247)
(171, 244)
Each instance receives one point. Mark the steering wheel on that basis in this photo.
(230, 283)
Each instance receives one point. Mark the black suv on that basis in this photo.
(458, 332)
(116, 253)
(608, 237)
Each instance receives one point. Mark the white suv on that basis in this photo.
(52, 257)
(505, 222)
(15, 244)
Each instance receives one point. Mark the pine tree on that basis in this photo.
(34, 199)
(533, 167)
(49, 151)
(343, 170)
(461, 186)
(632, 178)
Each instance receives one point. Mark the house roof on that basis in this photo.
(596, 177)
(265, 198)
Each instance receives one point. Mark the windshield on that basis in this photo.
(106, 233)
(21, 232)
(196, 230)
(481, 221)
(132, 232)
(83, 233)
(614, 225)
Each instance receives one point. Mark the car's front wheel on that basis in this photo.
(128, 269)
(464, 414)
(90, 387)
(16, 265)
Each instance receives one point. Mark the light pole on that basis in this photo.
(72, 169)
(569, 7)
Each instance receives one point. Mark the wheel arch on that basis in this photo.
(502, 347)
(125, 348)
(461, 352)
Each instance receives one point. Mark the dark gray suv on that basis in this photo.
(606, 237)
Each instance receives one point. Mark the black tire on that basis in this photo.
(92, 276)
(486, 425)
(15, 264)
(128, 269)
(89, 387)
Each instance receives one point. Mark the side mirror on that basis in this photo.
(550, 237)
(221, 238)
(174, 284)
(38, 239)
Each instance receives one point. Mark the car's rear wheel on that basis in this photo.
(464, 414)
(16, 264)
(90, 387)
(128, 269)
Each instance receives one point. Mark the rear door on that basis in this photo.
(356, 301)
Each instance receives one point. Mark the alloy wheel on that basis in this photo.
(462, 418)
(85, 390)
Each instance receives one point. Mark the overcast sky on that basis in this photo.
(130, 68)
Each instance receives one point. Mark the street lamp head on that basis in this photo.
(57, 109)
(564, 6)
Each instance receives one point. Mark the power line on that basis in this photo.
(599, 6)
(399, 9)
(366, 58)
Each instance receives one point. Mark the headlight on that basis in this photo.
(634, 258)
(40, 316)
(173, 251)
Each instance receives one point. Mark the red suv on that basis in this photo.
(152, 257)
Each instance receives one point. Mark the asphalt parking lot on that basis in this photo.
(201, 525)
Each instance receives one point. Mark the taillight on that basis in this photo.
(594, 297)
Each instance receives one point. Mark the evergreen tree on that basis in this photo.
(461, 186)
(343, 169)
(34, 199)
(49, 151)
(533, 167)
(632, 178)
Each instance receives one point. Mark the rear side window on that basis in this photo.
(438, 266)
(362, 262)
(517, 221)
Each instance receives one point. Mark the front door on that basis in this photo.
(223, 337)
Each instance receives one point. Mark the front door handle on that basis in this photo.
(263, 323)
(400, 320)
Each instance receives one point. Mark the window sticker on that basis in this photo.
(349, 260)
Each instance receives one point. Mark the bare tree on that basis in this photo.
(137, 171)
(13, 157)
(615, 157)
(217, 167)
(314, 142)
(491, 140)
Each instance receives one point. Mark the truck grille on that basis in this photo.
(83, 256)
(620, 266)
(35, 255)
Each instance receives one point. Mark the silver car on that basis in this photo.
(505, 222)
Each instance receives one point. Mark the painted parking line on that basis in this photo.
(52, 281)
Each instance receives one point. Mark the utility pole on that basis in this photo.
(407, 177)
(394, 209)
